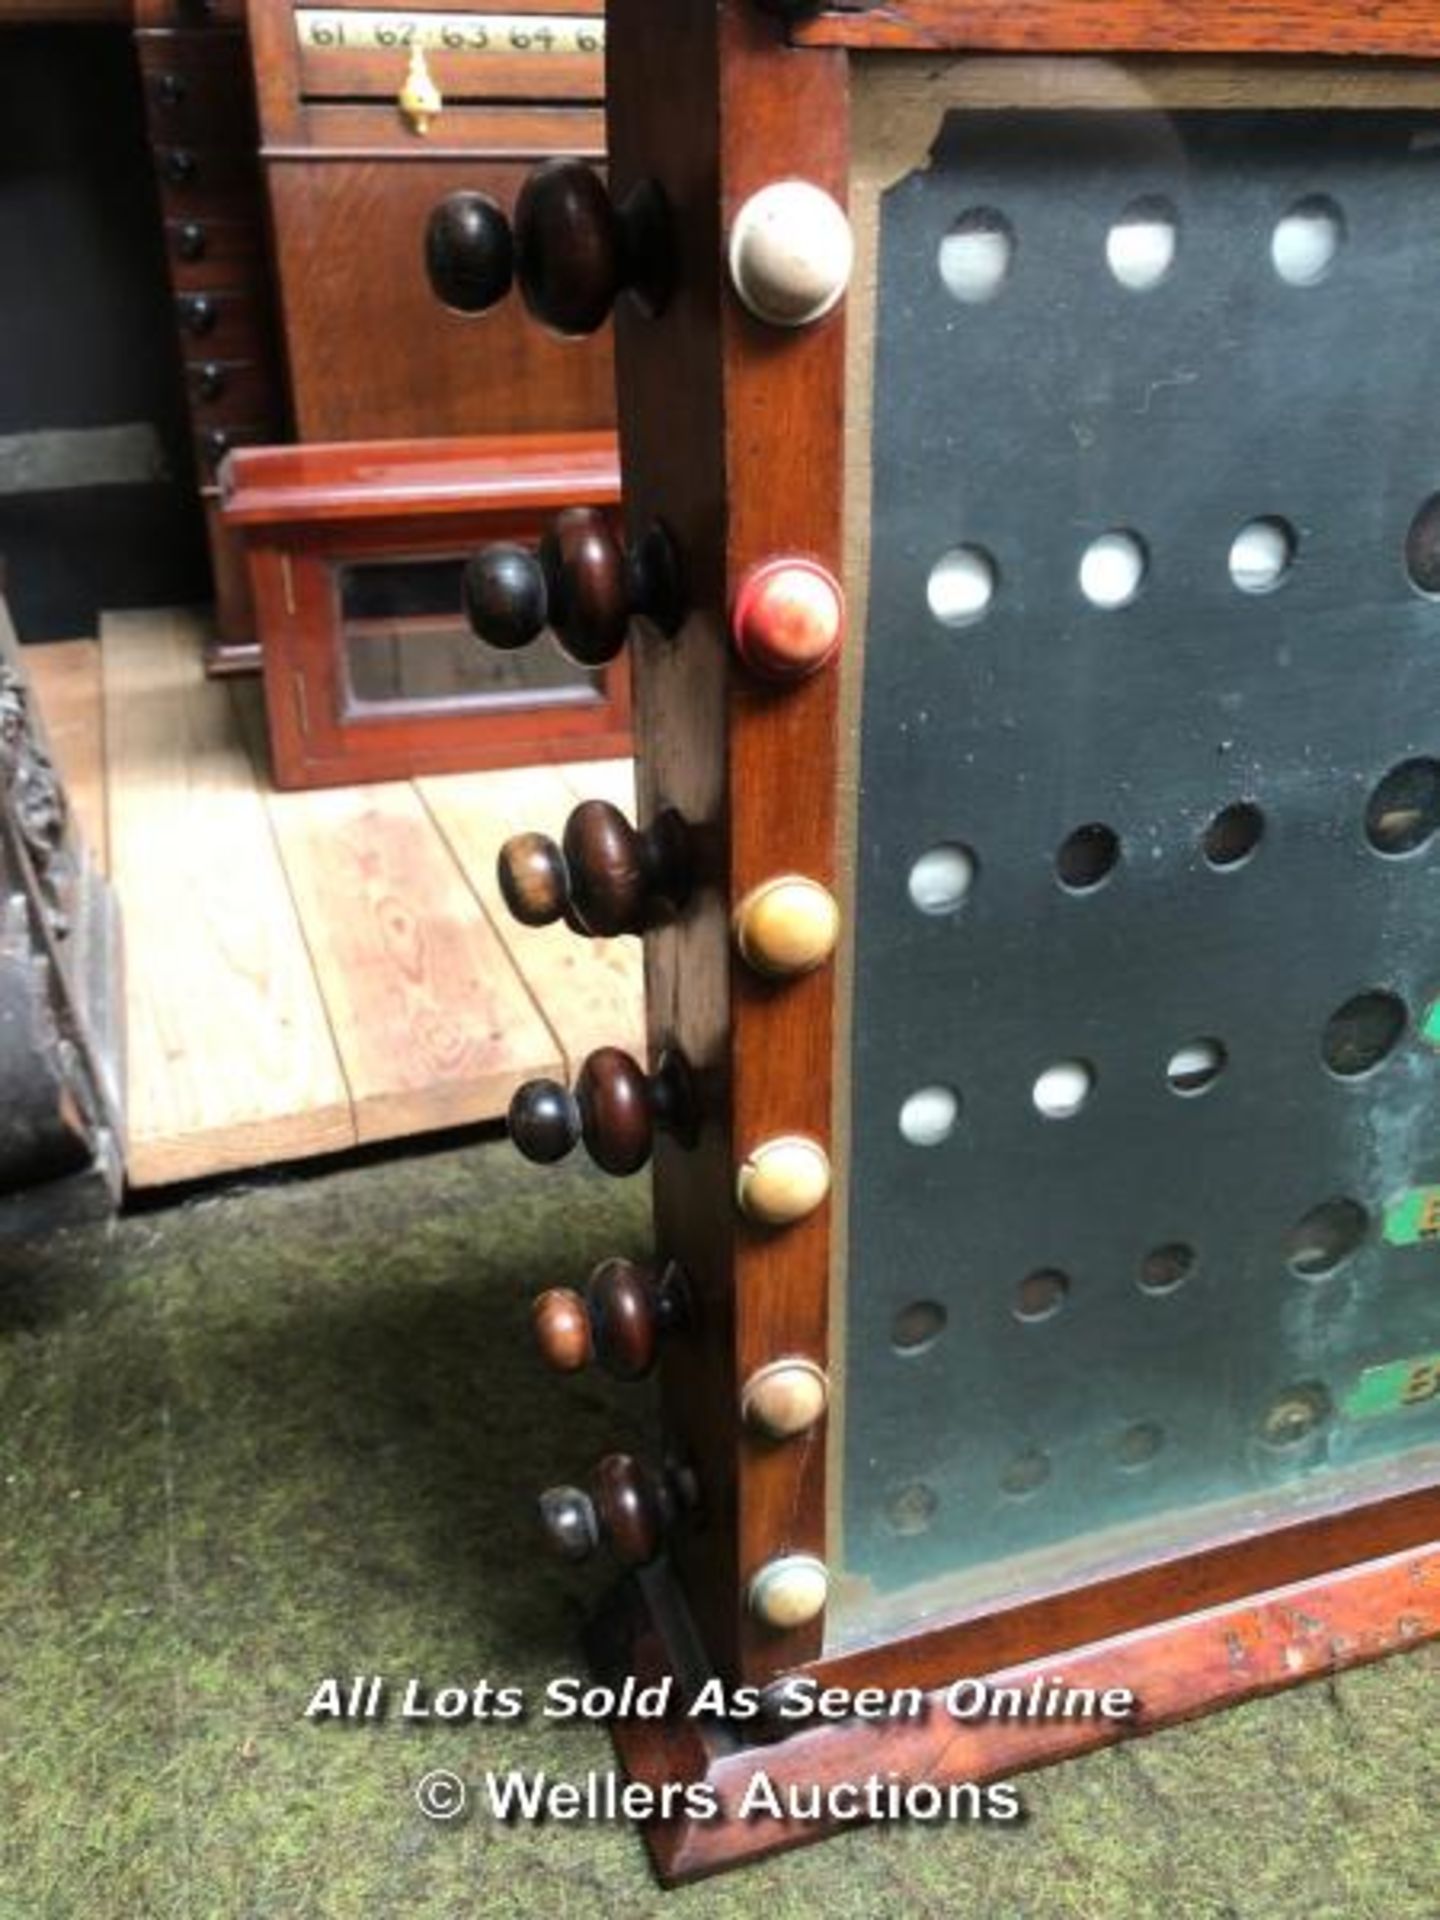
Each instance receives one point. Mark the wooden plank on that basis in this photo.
(612, 780)
(66, 679)
(231, 1062)
(434, 1025)
(591, 991)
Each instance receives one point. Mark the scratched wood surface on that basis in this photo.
(311, 971)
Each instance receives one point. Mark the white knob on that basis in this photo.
(791, 252)
(790, 1591)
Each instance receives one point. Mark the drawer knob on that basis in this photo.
(469, 254)
(180, 167)
(198, 314)
(604, 879)
(216, 442)
(619, 1321)
(190, 242)
(170, 89)
(629, 1507)
(580, 582)
(616, 1109)
(210, 380)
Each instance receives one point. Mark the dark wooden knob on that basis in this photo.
(629, 1507)
(615, 1109)
(576, 251)
(180, 167)
(604, 879)
(190, 240)
(216, 442)
(619, 1320)
(170, 89)
(469, 252)
(581, 583)
(210, 380)
(198, 314)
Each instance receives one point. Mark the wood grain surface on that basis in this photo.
(231, 1060)
(591, 990)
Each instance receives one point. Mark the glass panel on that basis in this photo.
(406, 644)
(1144, 1196)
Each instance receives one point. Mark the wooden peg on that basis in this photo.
(629, 1507)
(581, 583)
(616, 1109)
(605, 879)
(469, 252)
(619, 1321)
(576, 251)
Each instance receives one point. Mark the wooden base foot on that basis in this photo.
(1176, 1671)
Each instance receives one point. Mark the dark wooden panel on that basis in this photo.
(371, 351)
(1406, 29)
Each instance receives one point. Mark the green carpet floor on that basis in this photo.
(275, 1434)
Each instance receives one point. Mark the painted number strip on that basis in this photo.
(1412, 1219)
(493, 34)
(1395, 1386)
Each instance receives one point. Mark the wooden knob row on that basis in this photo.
(604, 878)
(580, 583)
(616, 1109)
(571, 249)
(619, 1321)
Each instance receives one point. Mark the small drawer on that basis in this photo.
(189, 13)
(222, 255)
(213, 443)
(198, 177)
(222, 391)
(221, 326)
(210, 104)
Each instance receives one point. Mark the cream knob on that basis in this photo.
(791, 252)
(782, 1180)
(790, 1591)
(784, 1398)
(787, 925)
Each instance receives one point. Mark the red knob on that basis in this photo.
(788, 619)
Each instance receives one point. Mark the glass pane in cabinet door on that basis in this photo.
(1143, 1211)
(406, 644)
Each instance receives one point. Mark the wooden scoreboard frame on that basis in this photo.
(733, 435)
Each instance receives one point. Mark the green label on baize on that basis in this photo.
(1412, 1219)
(1395, 1386)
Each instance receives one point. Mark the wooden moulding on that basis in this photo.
(1176, 1671)
(303, 509)
(1403, 29)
